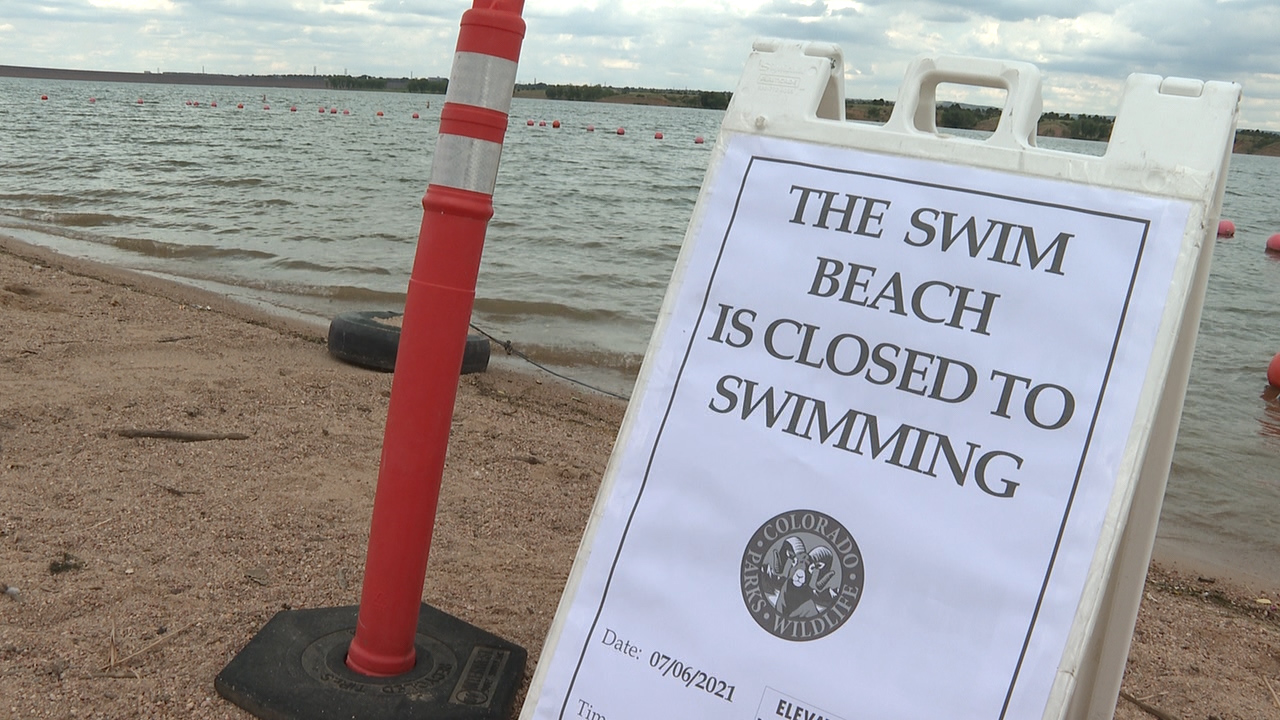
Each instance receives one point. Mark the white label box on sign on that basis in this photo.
(878, 437)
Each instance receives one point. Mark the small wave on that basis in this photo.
(86, 219)
(152, 248)
(285, 264)
(231, 182)
(41, 198)
(627, 364)
(176, 162)
(345, 294)
(69, 219)
(500, 308)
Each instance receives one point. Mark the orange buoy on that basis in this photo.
(591, 128)
(1273, 243)
(530, 123)
(657, 136)
(379, 113)
(555, 123)
(44, 97)
(622, 131)
(415, 116)
(1226, 229)
(1273, 371)
(698, 140)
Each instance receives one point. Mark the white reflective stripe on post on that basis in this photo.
(481, 81)
(466, 163)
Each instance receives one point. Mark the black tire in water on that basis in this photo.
(365, 338)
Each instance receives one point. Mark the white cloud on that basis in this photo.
(133, 5)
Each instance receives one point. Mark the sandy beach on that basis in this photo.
(139, 566)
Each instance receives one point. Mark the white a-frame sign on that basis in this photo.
(900, 440)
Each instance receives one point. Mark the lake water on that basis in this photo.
(316, 212)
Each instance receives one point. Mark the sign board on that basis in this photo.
(885, 448)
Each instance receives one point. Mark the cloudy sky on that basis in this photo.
(1084, 48)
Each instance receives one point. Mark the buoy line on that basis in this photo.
(326, 110)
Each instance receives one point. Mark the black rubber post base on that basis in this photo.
(295, 669)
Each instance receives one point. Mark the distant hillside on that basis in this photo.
(322, 82)
(166, 78)
(1258, 142)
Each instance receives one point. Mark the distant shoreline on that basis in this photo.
(1249, 142)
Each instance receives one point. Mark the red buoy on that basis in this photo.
(542, 123)
(321, 109)
(657, 136)
(213, 103)
(1273, 371)
(555, 123)
(1273, 243)
(239, 106)
(379, 113)
(530, 123)
(93, 99)
(1226, 229)
(698, 140)
(622, 131)
(415, 116)
(266, 107)
(44, 97)
(293, 108)
(346, 112)
(139, 101)
(591, 128)
(333, 111)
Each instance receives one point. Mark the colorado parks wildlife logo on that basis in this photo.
(801, 575)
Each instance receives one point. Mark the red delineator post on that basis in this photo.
(456, 212)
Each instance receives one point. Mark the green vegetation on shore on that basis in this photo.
(635, 96)
(363, 82)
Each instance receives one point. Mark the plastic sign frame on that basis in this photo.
(902, 432)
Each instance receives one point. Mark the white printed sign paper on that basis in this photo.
(879, 430)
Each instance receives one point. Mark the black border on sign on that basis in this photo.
(693, 336)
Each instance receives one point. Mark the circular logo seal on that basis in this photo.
(801, 575)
